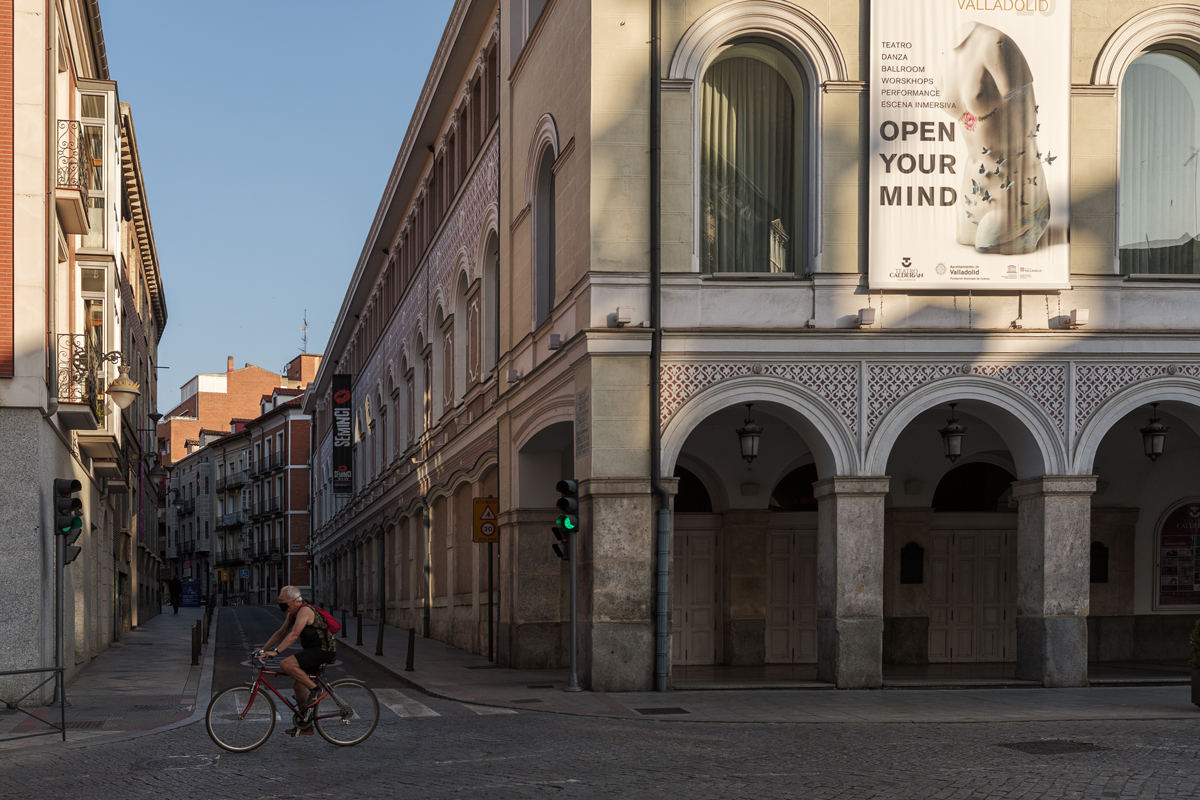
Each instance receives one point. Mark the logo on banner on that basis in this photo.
(343, 436)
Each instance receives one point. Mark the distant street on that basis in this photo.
(443, 749)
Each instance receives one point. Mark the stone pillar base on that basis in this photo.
(1052, 650)
(850, 652)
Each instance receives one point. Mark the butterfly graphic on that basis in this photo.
(1006, 185)
(1000, 163)
(987, 150)
(987, 197)
(1050, 158)
(974, 187)
(982, 169)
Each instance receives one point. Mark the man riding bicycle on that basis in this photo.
(317, 644)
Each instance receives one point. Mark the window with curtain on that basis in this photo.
(543, 231)
(1160, 166)
(751, 155)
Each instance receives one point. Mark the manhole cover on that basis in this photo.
(649, 711)
(1054, 747)
(176, 763)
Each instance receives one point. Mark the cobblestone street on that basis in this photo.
(460, 752)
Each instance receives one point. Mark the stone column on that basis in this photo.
(1053, 532)
(850, 581)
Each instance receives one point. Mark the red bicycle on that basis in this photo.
(241, 718)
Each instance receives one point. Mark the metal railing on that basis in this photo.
(187, 506)
(73, 160)
(230, 520)
(78, 372)
(59, 692)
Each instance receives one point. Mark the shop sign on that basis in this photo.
(1178, 545)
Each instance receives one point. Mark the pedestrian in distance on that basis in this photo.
(176, 592)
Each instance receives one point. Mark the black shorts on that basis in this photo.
(311, 658)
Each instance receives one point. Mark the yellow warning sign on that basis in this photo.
(224, 575)
(487, 528)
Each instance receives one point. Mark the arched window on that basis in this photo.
(490, 293)
(974, 487)
(795, 491)
(462, 340)
(751, 158)
(543, 233)
(692, 496)
(1160, 165)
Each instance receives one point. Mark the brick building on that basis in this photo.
(239, 523)
(213, 399)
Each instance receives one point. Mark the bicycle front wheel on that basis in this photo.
(240, 720)
(348, 714)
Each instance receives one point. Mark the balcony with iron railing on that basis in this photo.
(71, 183)
(233, 519)
(80, 393)
(187, 506)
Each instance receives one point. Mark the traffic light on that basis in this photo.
(68, 516)
(568, 517)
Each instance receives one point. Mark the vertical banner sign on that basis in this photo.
(970, 133)
(343, 436)
(486, 527)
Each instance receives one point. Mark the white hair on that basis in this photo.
(291, 592)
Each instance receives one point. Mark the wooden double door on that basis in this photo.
(973, 589)
(792, 590)
(695, 590)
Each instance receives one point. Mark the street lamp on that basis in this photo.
(952, 436)
(123, 391)
(1154, 435)
(748, 436)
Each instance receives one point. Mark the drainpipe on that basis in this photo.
(663, 533)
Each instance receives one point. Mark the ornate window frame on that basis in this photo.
(1174, 24)
(812, 45)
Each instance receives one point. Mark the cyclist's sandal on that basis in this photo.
(314, 697)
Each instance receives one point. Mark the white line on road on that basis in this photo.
(402, 705)
(485, 711)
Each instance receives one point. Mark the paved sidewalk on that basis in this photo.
(141, 683)
(453, 674)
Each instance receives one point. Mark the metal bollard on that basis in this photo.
(196, 645)
(412, 649)
(359, 639)
(207, 619)
(343, 623)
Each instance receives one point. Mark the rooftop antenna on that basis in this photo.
(304, 335)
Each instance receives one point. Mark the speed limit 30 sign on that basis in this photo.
(486, 528)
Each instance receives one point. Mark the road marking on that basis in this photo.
(402, 705)
(487, 711)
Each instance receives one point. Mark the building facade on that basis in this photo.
(611, 284)
(239, 520)
(81, 303)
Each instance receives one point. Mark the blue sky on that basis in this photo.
(267, 130)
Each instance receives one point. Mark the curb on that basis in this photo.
(203, 693)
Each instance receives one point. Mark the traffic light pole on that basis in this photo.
(573, 679)
(59, 575)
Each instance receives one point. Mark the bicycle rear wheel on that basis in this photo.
(348, 715)
(237, 724)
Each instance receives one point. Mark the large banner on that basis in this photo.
(970, 132)
(343, 436)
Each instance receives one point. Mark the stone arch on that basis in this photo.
(796, 28)
(1030, 433)
(1175, 23)
(1175, 391)
(817, 422)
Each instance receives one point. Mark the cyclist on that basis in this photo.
(317, 647)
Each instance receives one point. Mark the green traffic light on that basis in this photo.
(67, 525)
(567, 522)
